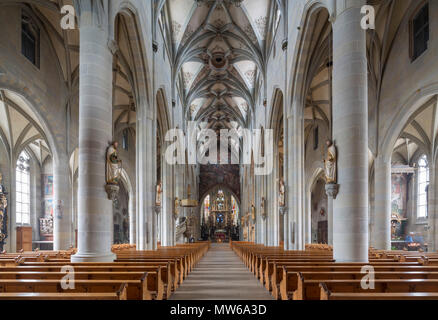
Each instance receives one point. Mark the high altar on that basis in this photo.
(220, 216)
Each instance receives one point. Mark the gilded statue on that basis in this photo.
(330, 163)
(113, 164)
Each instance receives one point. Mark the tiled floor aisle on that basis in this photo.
(221, 275)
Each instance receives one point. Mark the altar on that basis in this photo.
(221, 235)
(219, 219)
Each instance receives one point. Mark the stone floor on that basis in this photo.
(221, 275)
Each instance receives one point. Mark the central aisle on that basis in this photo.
(221, 275)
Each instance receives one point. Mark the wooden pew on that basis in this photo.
(136, 289)
(289, 278)
(165, 269)
(310, 289)
(148, 277)
(278, 272)
(328, 295)
(155, 285)
(164, 281)
(62, 296)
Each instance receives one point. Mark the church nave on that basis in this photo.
(221, 275)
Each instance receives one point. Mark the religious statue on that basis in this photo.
(262, 205)
(330, 163)
(113, 164)
(176, 209)
(253, 215)
(158, 195)
(281, 201)
(3, 214)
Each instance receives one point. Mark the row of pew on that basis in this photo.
(135, 275)
(313, 274)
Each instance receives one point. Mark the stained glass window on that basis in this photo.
(206, 207)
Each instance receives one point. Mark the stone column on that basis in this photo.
(257, 198)
(283, 217)
(132, 218)
(181, 194)
(350, 132)
(432, 208)
(273, 219)
(146, 224)
(62, 222)
(168, 203)
(296, 185)
(381, 228)
(11, 241)
(332, 191)
(288, 239)
(95, 133)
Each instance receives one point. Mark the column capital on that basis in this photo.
(92, 13)
(339, 6)
(283, 210)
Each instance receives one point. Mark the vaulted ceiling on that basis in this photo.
(420, 134)
(219, 51)
(20, 128)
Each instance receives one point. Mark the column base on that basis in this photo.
(352, 261)
(93, 257)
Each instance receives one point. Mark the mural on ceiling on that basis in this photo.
(212, 175)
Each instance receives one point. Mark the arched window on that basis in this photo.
(423, 183)
(22, 186)
(206, 208)
(30, 38)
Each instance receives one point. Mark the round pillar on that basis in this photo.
(350, 132)
(95, 133)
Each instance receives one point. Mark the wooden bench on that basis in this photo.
(165, 281)
(118, 295)
(310, 289)
(154, 280)
(328, 295)
(136, 289)
(146, 274)
(289, 278)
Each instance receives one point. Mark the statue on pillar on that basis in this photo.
(113, 164)
(158, 195)
(262, 208)
(176, 209)
(330, 163)
(3, 214)
(281, 200)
